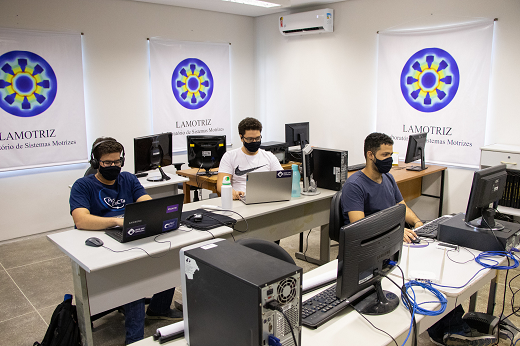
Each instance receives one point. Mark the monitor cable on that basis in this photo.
(274, 305)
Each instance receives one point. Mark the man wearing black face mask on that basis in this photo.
(249, 158)
(94, 201)
(373, 189)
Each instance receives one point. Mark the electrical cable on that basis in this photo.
(484, 256)
(409, 306)
(138, 248)
(274, 305)
(373, 326)
(440, 299)
(470, 260)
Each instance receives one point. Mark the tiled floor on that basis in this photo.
(35, 275)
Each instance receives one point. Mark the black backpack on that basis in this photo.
(63, 329)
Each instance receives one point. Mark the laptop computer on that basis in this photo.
(148, 218)
(271, 186)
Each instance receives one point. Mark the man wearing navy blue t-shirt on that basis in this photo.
(95, 200)
(373, 189)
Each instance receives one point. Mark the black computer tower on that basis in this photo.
(279, 149)
(330, 168)
(455, 231)
(225, 289)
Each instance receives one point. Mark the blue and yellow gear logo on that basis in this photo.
(28, 84)
(192, 83)
(430, 80)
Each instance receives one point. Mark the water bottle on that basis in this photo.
(226, 194)
(296, 189)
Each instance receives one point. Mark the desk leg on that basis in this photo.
(441, 195)
(324, 249)
(186, 190)
(82, 305)
(492, 296)
(472, 302)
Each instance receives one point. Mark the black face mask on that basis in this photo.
(253, 146)
(384, 166)
(110, 173)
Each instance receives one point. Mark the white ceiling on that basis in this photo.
(241, 9)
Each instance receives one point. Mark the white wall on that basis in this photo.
(330, 79)
(116, 87)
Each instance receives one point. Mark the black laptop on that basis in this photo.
(149, 218)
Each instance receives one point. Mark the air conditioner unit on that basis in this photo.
(313, 22)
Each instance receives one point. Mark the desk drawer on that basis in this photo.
(493, 158)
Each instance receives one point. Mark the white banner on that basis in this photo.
(190, 86)
(42, 110)
(436, 81)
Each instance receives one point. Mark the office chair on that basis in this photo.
(268, 248)
(336, 220)
(90, 171)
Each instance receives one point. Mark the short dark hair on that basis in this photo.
(375, 140)
(109, 146)
(249, 124)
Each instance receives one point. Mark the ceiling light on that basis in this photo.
(255, 3)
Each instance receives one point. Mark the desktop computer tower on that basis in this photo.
(279, 150)
(330, 168)
(225, 291)
(455, 231)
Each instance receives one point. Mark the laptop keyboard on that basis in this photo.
(116, 234)
(322, 307)
(429, 230)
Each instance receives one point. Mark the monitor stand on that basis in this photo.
(207, 173)
(379, 302)
(161, 177)
(422, 167)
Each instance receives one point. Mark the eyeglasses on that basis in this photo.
(108, 163)
(252, 139)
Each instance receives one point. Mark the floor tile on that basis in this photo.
(12, 301)
(28, 251)
(23, 330)
(45, 283)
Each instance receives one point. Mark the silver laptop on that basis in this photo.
(271, 186)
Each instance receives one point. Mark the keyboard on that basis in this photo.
(429, 230)
(116, 234)
(356, 167)
(322, 307)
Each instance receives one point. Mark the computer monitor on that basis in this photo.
(487, 188)
(297, 134)
(205, 152)
(415, 151)
(365, 249)
(153, 152)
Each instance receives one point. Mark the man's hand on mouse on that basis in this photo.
(409, 235)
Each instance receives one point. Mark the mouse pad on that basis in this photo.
(209, 220)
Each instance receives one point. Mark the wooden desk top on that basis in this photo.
(401, 174)
(192, 172)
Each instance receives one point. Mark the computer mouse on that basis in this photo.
(197, 217)
(93, 241)
(417, 240)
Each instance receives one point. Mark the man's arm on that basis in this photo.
(354, 216)
(220, 179)
(86, 221)
(411, 219)
(144, 198)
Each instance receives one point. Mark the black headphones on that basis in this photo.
(94, 163)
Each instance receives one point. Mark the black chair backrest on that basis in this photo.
(267, 247)
(336, 217)
(90, 171)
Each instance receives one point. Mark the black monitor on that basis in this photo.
(415, 151)
(153, 152)
(365, 249)
(297, 134)
(487, 188)
(205, 152)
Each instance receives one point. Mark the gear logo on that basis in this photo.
(192, 83)
(430, 80)
(28, 84)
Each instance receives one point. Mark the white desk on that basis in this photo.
(348, 325)
(104, 279)
(163, 188)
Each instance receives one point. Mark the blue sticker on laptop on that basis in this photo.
(168, 225)
(284, 174)
(172, 208)
(134, 231)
